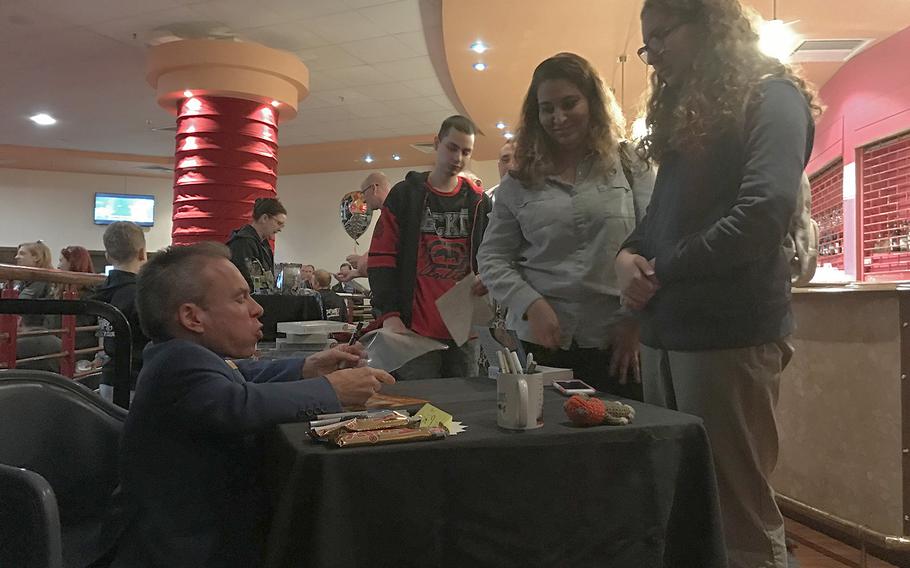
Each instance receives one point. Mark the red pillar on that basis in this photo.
(226, 157)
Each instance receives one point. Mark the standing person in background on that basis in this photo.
(732, 131)
(505, 163)
(375, 188)
(557, 225)
(424, 243)
(124, 247)
(250, 244)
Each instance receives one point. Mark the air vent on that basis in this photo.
(425, 147)
(817, 50)
(157, 169)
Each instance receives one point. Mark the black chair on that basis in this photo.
(29, 523)
(70, 436)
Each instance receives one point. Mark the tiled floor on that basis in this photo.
(816, 550)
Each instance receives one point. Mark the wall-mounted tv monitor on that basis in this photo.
(111, 207)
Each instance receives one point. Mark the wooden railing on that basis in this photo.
(69, 283)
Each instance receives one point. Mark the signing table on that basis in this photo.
(636, 496)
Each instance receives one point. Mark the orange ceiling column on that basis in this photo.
(229, 98)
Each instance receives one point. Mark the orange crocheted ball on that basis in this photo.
(584, 410)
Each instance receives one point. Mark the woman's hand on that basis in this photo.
(636, 278)
(544, 324)
(625, 361)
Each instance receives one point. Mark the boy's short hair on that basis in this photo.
(123, 240)
(459, 123)
(171, 279)
(323, 278)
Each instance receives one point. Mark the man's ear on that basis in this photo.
(142, 255)
(436, 142)
(189, 317)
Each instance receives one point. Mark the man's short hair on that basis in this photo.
(459, 123)
(123, 240)
(323, 278)
(343, 264)
(171, 279)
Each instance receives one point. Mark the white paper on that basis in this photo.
(460, 310)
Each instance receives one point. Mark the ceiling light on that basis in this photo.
(43, 119)
(478, 47)
(501, 125)
(777, 39)
(508, 135)
(276, 104)
(193, 104)
(396, 157)
(368, 159)
(479, 66)
(187, 93)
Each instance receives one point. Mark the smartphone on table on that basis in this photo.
(574, 386)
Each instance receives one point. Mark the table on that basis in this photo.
(635, 496)
(279, 307)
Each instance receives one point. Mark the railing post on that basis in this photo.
(68, 337)
(9, 325)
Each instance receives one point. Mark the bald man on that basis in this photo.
(375, 188)
(506, 162)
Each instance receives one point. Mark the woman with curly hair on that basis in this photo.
(558, 221)
(732, 131)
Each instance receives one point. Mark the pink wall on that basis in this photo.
(868, 99)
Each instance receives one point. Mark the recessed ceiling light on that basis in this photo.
(478, 47)
(501, 125)
(508, 135)
(480, 66)
(276, 103)
(187, 93)
(396, 157)
(368, 159)
(43, 119)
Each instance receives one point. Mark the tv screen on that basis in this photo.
(110, 207)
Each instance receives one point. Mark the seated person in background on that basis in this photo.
(346, 284)
(192, 443)
(334, 307)
(124, 247)
(77, 259)
(250, 243)
(308, 276)
(35, 255)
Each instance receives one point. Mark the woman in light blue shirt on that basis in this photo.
(558, 222)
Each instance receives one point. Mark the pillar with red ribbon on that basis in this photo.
(226, 158)
(228, 97)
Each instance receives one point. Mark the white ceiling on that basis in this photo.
(83, 61)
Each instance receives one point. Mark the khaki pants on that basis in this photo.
(734, 391)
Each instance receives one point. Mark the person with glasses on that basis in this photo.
(375, 188)
(250, 244)
(732, 130)
(557, 223)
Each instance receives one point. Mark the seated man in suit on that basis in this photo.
(192, 444)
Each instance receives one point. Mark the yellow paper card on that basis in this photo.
(431, 417)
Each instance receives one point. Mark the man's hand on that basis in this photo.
(394, 324)
(636, 278)
(477, 288)
(356, 386)
(354, 259)
(329, 360)
(544, 324)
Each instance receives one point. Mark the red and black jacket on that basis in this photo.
(392, 266)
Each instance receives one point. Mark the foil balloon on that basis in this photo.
(355, 215)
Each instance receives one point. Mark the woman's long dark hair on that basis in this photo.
(724, 73)
(534, 149)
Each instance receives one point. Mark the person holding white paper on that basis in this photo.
(559, 218)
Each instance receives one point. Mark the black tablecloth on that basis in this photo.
(278, 308)
(635, 496)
